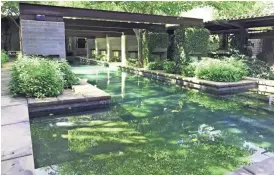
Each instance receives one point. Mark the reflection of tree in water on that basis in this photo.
(203, 158)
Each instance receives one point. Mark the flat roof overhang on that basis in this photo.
(34, 9)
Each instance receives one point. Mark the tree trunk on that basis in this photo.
(138, 33)
(20, 36)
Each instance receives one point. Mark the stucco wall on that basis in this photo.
(132, 44)
(43, 38)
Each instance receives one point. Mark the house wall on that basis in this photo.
(263, 49)
(43, 38)
(132, 44)
(102, 45)
(115, 43)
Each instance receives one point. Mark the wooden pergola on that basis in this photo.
(243, 26)
(104, 22)
(91, 23)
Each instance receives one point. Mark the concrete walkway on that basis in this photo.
(16, 152)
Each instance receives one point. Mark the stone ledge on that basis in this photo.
(19, 166)
(16, 141)
(81, 97)
(204, 85)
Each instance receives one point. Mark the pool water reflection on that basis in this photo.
(151, 128)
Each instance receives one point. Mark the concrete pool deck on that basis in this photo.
(16, 153)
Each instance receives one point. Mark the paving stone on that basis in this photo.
(70, 96)
(240, 172)
(16, 141)
(14, 114)
(33, 102)
(19, 166)
(257, 157)
(8, 100)
(269, 154)
(265, 167)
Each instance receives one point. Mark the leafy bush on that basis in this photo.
(157, 65)
(171, 67)
(100, 57)
(133, 62)
(115, 59)
(69, 77)
(255, 67)
(227, 70)
(189, 70)
(36, 77)
(196, 40)
(4, 58)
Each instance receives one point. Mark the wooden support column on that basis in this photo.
(108, 48)
(124, 50)
(88, 48)
(96, 47)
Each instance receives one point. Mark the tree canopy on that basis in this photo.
(174, 8)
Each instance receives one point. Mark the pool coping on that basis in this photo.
(218, 88)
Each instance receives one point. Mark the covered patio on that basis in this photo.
(61, 31)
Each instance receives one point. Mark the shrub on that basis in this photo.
(133, 62)
(196, 40)
(171, 67)
(4, 58)
(156, 65)
(100, 57)
(115, 59)
(255, 67)
(227, 70)
(69, 77)
(189, 70)
(36, 77)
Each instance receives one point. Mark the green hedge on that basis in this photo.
(172, 67)
(4, 58)
(152, 40)
(69, 77)
(157, 65)
(38, 77)
(227, 70)
(196, 40)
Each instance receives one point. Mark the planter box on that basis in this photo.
(219, 88)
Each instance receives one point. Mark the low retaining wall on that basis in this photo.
(263, 85)
(81, 98)
(219, 88)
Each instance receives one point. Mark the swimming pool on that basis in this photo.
(150, 128)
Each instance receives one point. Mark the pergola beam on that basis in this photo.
(33, 9)
(111, 24)
(98, 32)
(102, 29)
(92, 34)
(269, 34)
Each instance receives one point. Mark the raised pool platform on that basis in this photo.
(81, 98)
(219, 88)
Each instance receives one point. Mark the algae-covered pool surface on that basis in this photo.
(150, 128)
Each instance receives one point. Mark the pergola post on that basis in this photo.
(88, 48)
(124, 50)
(108, 44)
(96, 47)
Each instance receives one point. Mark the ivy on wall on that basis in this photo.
(196, 41)
(179, 53)
(152, 40)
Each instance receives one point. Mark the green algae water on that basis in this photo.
(150, 128)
